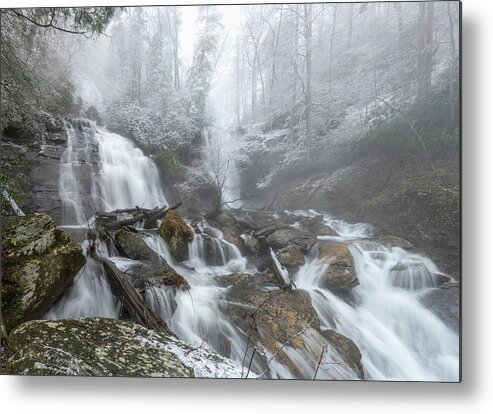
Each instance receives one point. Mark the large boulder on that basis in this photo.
(251, 245)
(107, 347)
(347, 349)
(299, 237)
(340, 276)
(316, 224)
(177, 234)
(445, 303)
(144, 275)
(38, 262)
(133, 246)
(291, 256)
(274, 319)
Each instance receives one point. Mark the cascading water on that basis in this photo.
(398, 337)
(127, 178)
(220, 161)
(99, 171)
(196, 315)
(89, 296)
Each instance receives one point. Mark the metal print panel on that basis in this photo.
(266, 191)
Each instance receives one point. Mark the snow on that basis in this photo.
(202, 360)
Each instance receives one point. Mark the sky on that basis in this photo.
(231, 20)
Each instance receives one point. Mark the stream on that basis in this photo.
(398, 337)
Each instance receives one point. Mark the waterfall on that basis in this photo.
(127, 177)
(220, 161)
(99, 170)
(398, 337)
(89, 296)
(196, 315)
(77, 168)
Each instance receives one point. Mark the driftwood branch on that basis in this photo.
(108, 220)
(130, 299)
(280, 271)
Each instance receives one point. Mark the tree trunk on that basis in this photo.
(294, 78)
(350, 27)
(131, 300)
(308, 51)
(425, 47)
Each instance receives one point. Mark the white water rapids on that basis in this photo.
(399, 338)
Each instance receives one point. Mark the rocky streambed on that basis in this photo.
(215, 284)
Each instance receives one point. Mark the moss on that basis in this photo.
(38, 262)
(177, 234)
(170, 164)
(92, 346)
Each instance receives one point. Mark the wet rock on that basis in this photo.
(177, 234)
(392, 241)
(143, 275)
(340, 276)
(316, 225)
(3, 335)
(107, 347)
(445, 303)
(291, 256)
(282, 238)
(38, 262)
(251, 245)
(133, 246)
(167, 276)
(232, 235)
(347, 349)
(412, 273)
(272, 317)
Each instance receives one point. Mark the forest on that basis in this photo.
(264, 191)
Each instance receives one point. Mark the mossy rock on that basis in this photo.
(107, 347)
(177, 234)
(38, 262)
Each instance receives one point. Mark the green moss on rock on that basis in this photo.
(38, 262)
(90, 346)
(176, 233)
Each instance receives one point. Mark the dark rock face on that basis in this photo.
(35, 152)
(340, 276)
(282, 238)
(445, 303)
(38, 262)
(110, 348)
(347, 349)
(134, 246)
(316, 225)
(291, 256)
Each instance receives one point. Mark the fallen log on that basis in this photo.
(150, 221)
(131, 300)
(280, 271)
(149, 217)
